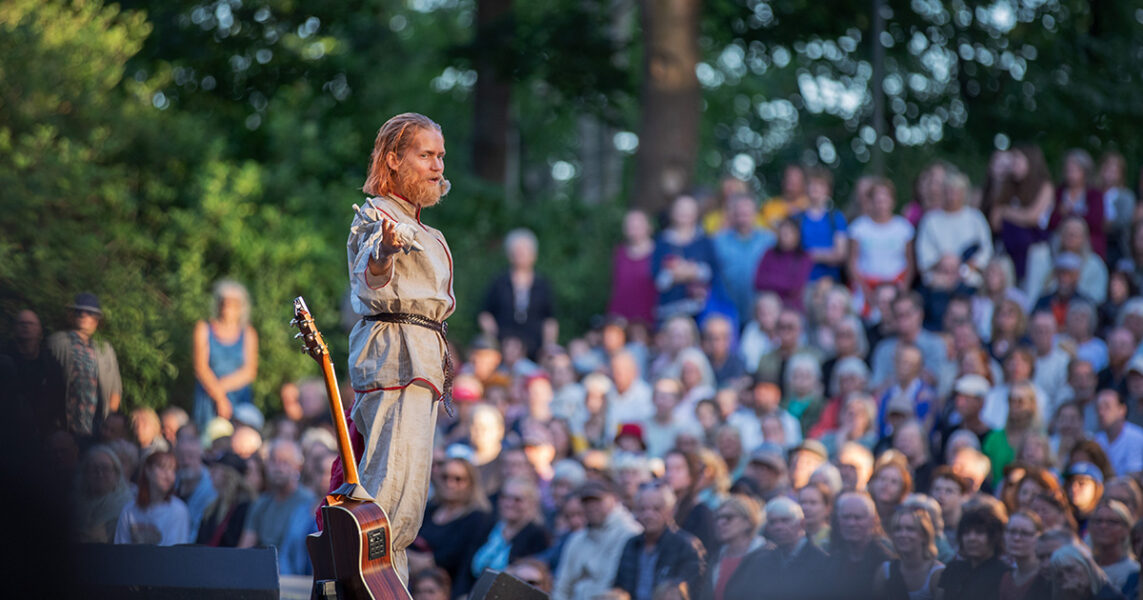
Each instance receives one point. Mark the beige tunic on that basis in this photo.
(384, 356)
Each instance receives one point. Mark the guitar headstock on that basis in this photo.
(312, 342)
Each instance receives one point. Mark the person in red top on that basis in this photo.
(1076, 197)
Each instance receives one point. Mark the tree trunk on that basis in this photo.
(671, 102)
(492, 94)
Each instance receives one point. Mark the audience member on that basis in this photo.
(225, 355)
(662, 551)
(154, 515)
(590, 559)
(283, 515)
(92, 387)
(520, 303)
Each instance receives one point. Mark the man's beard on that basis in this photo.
(418, 191)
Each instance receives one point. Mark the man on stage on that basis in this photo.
(400, 272)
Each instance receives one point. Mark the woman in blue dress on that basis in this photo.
(225, 355)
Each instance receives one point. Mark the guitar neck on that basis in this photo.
(344, 446)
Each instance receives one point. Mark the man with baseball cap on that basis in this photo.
(590, 559)
(968, 406)
(91, 370)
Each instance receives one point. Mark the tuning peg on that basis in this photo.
(299, 335)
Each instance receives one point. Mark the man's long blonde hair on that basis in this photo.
(394, 136)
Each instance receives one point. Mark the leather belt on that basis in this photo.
(441, 328)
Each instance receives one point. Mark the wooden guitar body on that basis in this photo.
(353, 549)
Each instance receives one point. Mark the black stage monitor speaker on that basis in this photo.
(494, 585)
(176, 572)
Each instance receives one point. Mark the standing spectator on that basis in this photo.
(101, 495)
(739, 519)
(683, 263)
(277, 516)
(194, 484)
(1110, 529)
(632, 286)
(739, 249)
(1122, 441)
(792, 201)
(517, 534)
(455, 516)
(90, 369)
(916, 573)
(785, 268)
(520, 303)
(954, 230)
(823, 228)
(591, 555)
(882, 245)
(38, 383)
(155, 515)
(1118, 203)
(1077, 197)
(928, 192)
(223, 519)
(1017, 199)
(978, 569)
(225, 355)
(857, 546)
(1027, 580)
(662, 552)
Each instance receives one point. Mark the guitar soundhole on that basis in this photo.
(376, 543)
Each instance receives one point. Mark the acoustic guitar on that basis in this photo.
(351, 555)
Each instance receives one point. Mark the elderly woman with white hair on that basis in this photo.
(1075, 576)
(224, 355)
(520, 303)
(954, 229)
(803, 389)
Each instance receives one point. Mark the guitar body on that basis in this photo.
(353, 549)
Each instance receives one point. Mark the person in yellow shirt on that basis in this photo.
(792, 201)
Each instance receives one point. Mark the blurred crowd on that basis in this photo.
(935, 394)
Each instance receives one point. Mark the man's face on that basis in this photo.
(1042, 331)
(1110, 411)
(596, 510)
(282, 468)
(789, 330)
(968, 406)
(907, 364)
(86, 322)
(947, 494)
(420, 172)
(908, 318)
(28, 326)
(855, 520)
(651, 512)
(716, 339)
(766, 397)
(1083, 380)
(783, 530)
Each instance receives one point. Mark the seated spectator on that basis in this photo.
(968, 405)
(1028, 579)
(717, 344)
(1079, 326)
(790, 342)
(155, 515)
(1121, 346)
(816, 500)
(1063, 290)
(908, 316)
(916, 572)
(1126, 490)
(685, 473)
(633, 292)
(881, 244)
(847, 376)
(1083, 482)
(759, 336)
(857, 546)
(858, 424)
(1050, 371)
(908, 390)
(1122, 441)
(890, 483)
(225, 355)
(1118, 203)
(1008, 328)
(950, 491)
(517, 534)
(1075, 575)
(767, 398)
(102, 493)
(590, 560)
(432, 583)
(629, 400)
(1109, 529)
(974, 465)
(767, 472)
(738, 521)
(789, 566)
(1092, 282)
(978, 569)
(455, 516)
(805, 458)
(785, 268)
(282, 515)
(662, 552)
(194, 484)
(855, 462)
(1023, 420)
(532, 572)
(1035, 481)
(954, 230)
(1054, 511)
(223, 519)
(803, 387)
(909, 439)
(660, 430)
